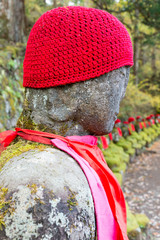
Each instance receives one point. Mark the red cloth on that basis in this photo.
(110, 136)
(119, 132)
(129, 130)
(93, 155)
(144, 124)
(73, 44)
(140, 125)
(104, 142)
(153, 121)
(132, 127)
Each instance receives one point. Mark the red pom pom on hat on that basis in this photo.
(138, 117)
(73, 44)
(131, 119)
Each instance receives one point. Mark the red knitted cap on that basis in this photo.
(117, 121)
(131, 119)
(148, 118)
(73, 44)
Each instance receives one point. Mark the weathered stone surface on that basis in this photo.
(82, 108)
(51, 196)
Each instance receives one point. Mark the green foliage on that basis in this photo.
(137, 103)
(142, 19)
(150, 12)
(11, 90)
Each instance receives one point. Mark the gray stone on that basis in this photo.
(51, 195)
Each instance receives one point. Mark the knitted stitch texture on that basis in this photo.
(73, 44)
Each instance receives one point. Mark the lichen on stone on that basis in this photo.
(6, 206)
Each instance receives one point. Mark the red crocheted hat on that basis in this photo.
(73, 44)
(138, 117)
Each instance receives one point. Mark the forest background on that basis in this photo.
(141, 18)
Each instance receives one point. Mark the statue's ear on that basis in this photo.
(61, 104)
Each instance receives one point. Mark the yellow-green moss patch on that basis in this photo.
(17, 149)
(132, 224)
(118, 177)
(142, 220)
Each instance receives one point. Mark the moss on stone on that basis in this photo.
(113, 161)
(142, 220)
(71, 202)
(118, 177)
(121, 168)
(145, 137)
(16, 149)
(132, 224)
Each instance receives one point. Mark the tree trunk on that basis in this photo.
(153, 60)
(14, 10)
(136, 46)
(54, 3)
(16, 20)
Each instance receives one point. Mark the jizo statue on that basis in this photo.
(54, 180)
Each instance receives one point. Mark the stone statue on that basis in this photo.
(46, 193)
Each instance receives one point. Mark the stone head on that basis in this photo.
(76, 70)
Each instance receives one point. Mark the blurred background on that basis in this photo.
(141, 18)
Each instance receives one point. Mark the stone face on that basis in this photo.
(82, 108)
(51, 197)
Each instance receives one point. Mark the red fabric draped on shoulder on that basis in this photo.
(6, 138)
(95, 158)
(93, 155)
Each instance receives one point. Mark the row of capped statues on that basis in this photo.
(128, 139)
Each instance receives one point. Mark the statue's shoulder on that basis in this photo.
(47, 187)
(37, 162)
